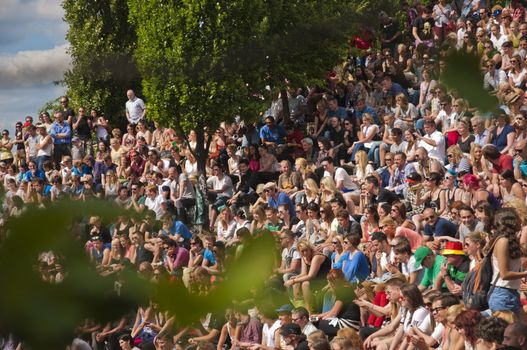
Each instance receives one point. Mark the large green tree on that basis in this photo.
(102, 45)
(203, 61)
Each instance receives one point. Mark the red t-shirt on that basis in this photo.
(379, 300)
(504, 163)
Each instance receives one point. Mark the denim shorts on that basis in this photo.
(503, 299)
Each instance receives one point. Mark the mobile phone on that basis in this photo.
(313, 318)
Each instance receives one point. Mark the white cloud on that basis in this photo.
(46, 9)
(18, 102)
(24, 19)
(33, 67)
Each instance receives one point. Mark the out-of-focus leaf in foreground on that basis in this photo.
(245, 275)
(463, 73)
(43, 314)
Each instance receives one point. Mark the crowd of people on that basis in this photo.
(399, 211)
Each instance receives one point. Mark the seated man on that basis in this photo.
(454, 269)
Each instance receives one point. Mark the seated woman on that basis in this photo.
(315, 267)
(343, 312)
(146, 325)
(415, 315)
(508, 188)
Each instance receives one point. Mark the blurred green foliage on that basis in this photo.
(45, 315)
(463, 74)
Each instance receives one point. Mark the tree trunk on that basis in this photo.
(286, 114)
(201, 148)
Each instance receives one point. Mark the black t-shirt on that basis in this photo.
(83, 130)
(389, 29)
(68, 112)
(336, 136)
(386, 196)
(424, 28)
(302, 345)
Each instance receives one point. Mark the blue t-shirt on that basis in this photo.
(356, 269)
(39, 174)
(282, 199)
(338, 264)
(523, 167)
(181, 229)
(209, 256)
(370, 111)
(276, 134)
(443, 227)
(340, 112)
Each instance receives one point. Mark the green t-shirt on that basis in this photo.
(431, 274)
(458, 274)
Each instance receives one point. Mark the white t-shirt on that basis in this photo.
(155, 205)
(135, 109)
(341, 174)
(217, 184)
(268, 333)
(290, 254)
(437, 151)
(419, 319)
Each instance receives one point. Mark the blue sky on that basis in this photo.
(33, 54)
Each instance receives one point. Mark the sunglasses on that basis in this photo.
(437, 309)
(428, 218)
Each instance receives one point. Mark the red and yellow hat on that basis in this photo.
(453, 248)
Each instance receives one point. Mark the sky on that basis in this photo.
(33, 54)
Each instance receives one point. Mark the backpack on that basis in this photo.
(478, 283)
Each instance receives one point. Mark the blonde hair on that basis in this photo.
(473, 148)
(402, 97)
(342, 342)
(317, 335)
(519, 206)
(304, 244)
(387, 221)
(367, 116)
(506, 315)
(312, 186)
(453, 311)
(329, 183)
(259, 209)
(352, 335)
(456, 151)
(478, 237)
(302, 163)
(361, 159)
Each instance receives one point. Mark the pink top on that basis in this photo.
(414, 237)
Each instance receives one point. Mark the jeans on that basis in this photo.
(503, 299)
(358, 146)
(41, 160)
(374, 154)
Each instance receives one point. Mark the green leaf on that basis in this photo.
(463, 73)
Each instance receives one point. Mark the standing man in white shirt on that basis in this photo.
(135, 108)
(432, 141)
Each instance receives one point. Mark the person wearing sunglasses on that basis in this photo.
(436, 226)
(438, 311)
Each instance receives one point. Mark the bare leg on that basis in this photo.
(306, 291)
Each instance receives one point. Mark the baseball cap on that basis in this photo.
(289, 329)
(285, 308)
(413, 177)
(420, 254)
